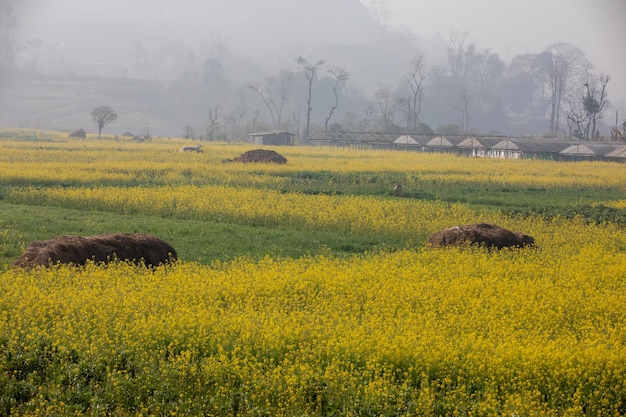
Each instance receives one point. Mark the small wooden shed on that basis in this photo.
(272, 137)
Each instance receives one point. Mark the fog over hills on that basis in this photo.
(171, 65)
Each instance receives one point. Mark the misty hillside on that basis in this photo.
(92, 32)
(223, 69)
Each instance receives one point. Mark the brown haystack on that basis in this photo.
(80, 133)
(136, 247)
(484, 234)
(261, 155)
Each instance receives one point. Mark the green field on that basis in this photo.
(307, 289)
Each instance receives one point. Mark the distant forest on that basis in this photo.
(396, 83)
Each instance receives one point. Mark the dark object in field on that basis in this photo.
(484, 234)
(80, 133)
(261, 155)
(197, 148)
(141, 249)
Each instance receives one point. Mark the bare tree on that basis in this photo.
(214, 115)
(274, 94)
(189, 132)
(310, 71)
(582, 117)
(233, 120)
(385, 106)
(465, 101)
(35, 46)
(458, 54)
(380, 15)
(460, 58)
(565, 61)
(7, 37)
(102, 116)
(415, 79)
(297, 122)
(595, 101)
(368, 116)
(341, 76)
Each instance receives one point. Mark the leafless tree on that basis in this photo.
(340, 76)
(296, 120)
(565, 61)
(7, 36)
(415, 79)
(458, 53)
(35, 46)
(385, 106)
(233, 120)
(582, 117)
(465, 101)
(380, 15)
(273, 94)
(310, 71)
(214, 115)
(368, 116)
(189, 132)
(595, 101)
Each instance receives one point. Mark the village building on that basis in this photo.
(477, 147)
(588, 151)
(411, 142)
(272, 137)
(521, 148)
(617, 155)
(443, 144)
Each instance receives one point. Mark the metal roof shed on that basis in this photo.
(516, 148)
(618, 154)
(587, 151)
(409, 142)
(443, 144)
(477, 147)
(272, 137)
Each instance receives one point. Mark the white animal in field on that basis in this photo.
(397, 190)
(197, 148)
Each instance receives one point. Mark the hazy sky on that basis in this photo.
(511, 27)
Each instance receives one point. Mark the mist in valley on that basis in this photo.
(216, 70)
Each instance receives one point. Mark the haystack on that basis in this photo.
(483, 234)
(77, 250)
(261, 155)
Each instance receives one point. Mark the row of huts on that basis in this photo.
(473, 146)
(484, 146)
(515, 148)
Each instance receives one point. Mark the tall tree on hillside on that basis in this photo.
(7, 36)
(214, 115)
(473, 77)
(415, 79)
(583, 116)
(340, 77)
(565, 62)
(525, 85)
(460, 57)
(386, 107)
(102, 116)
(274, 94)
(310, 71)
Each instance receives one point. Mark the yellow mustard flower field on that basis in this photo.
(407, 330)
